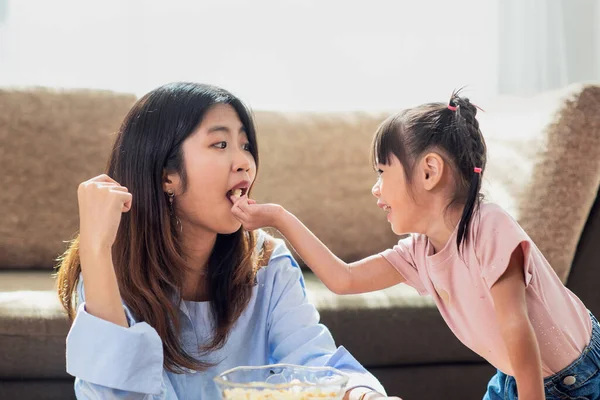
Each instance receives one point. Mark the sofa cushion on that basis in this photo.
(51, 141)
(47, 389)
(33, 327)
(391, 327)
(317, 165)
(544, 168)
(544, 165)
(395, 326)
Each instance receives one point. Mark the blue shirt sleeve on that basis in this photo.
(111, 361)
(295, 335)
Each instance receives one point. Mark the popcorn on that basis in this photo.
(283, 394)
(287, 393)
(284, 382)
(237, 192)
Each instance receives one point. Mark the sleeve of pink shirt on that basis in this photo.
(401, 257)
(498, 235)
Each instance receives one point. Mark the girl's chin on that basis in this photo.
(397, 229)
(231, 227)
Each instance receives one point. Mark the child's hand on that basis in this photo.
(254, 216)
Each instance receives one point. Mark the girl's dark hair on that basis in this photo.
(147, 256)
(450, 129)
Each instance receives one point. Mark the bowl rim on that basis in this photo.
(341, 378)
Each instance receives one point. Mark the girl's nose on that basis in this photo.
(375, 190)
(242, 161)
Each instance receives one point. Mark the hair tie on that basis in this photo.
(452, 108)
(477, 170)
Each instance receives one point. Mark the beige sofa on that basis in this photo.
(544, 168)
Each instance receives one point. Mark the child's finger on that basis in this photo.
(238, 208)
(237, 200)
(242, 203)
(239, 214)
(250, 201)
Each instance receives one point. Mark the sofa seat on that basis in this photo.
(392, 327)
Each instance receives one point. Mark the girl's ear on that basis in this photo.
(171, 182)
(431, 170)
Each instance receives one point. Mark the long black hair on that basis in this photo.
(148, 261)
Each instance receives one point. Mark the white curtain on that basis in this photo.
(3, 10)
(547, 44)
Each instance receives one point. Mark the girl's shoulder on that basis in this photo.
(493, 227)
(492, 209)
(266, 246)
(269, 251)
(492, 216)
(415, 244)
(276, 269)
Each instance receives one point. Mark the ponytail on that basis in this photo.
(470, 161)
(471, 205)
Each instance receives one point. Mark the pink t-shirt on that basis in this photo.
(460, 286)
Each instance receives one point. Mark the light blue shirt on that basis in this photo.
(278, 326)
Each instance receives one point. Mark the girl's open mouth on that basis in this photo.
(238, 192)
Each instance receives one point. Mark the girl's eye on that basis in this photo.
(220, 145)
(247, 147)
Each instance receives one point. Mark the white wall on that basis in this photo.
(275, 54)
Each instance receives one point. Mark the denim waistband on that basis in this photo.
(580, 368)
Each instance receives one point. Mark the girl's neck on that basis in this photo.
(442, 226)
(197, 246)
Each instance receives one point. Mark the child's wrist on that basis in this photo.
(281, 218)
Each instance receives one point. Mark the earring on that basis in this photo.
(172, 211)
(171, 196)
(178, 223)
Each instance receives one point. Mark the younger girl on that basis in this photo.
(492, 285)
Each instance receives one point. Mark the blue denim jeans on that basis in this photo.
(579, 381)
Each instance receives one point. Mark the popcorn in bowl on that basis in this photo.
(282, 381)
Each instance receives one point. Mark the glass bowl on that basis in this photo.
(282, 381)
